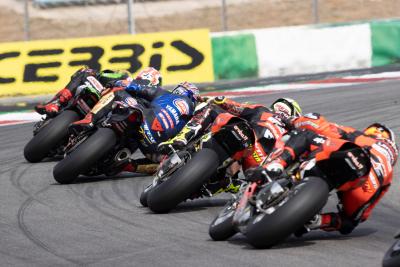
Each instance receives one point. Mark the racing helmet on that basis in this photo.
(107, 77)
(150, 74)
(187, 89)
(380, 131)
(287, 107)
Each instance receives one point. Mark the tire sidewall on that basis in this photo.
(184, 182)
(85, 155)
(308, 198)
(224, 229)
(49, 136)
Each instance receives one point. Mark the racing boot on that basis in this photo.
(52, 108)
(86, 124)
(327, 222)
(143, 165)
(227, 184)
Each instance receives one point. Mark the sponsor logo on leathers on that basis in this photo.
(182, 106)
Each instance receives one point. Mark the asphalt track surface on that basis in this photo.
(100, 222)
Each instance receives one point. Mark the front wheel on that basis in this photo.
(392, 256)
(144, 194)
(222, 228)
(184, 182)
(49, 136)
(303, 202)
(85, 156)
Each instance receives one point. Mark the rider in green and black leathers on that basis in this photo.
(98, 79)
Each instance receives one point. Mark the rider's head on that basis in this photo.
(286, 107)
(187, 89)
(151, 75)
(380, 131)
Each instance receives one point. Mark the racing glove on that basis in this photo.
(180, 140)
(176, 143)
(133, 87)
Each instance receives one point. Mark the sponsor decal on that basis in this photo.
(42, 66)
(182, 106)
(171, 122)
(131, 102)
(256, 157)
(319, 140)
(354, 160)
(105, 100)
(373, 181)
(258, 153)
(386, 150)
(163, 120)
(304, 124)
(268, 134)
(378, 167)
(95, 83)
(147, 134)
(174, 113)
(240, 132)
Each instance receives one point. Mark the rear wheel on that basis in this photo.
(184, 182)
(85, 155)
(305, 200)
(49, 136)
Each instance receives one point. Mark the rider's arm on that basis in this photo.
(79, 77)
(299, 142)
(235, 108)
(320, 125)
(139, 88)
(203, 117)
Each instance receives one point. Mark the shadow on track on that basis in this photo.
(103, 178)
(196, 205)
(304, 241)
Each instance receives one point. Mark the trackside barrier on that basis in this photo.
(310, 49)
(41, 67)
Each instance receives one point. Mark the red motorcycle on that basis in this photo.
(268, 213)
(187, 173)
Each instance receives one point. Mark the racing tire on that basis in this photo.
(184, 182)
(392, 256)
(222, 228)
(306, 200)
(143, 196)
(84, 156)
(49, 136)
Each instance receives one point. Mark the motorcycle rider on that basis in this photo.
(372, 154)
(266, 122)
(160, 115)
(97, 79)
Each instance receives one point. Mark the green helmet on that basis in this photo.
(108, 76)
(287, 107)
